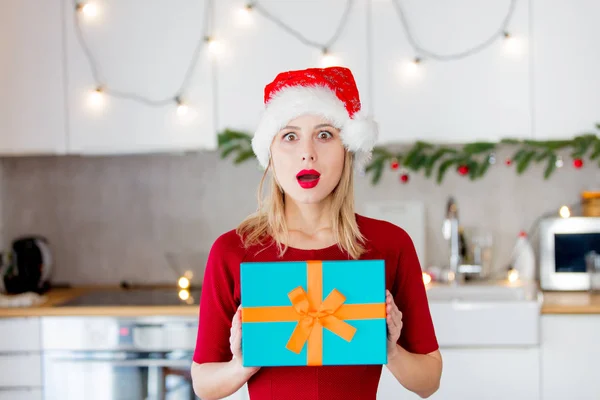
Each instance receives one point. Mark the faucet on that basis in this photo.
(451, 232)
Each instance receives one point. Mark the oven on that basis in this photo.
(565, 249)
(104, 358)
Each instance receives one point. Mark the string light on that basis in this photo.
(328, 59)
(96, 98)
(327, 45)
(564, 212)
(206, 40)
(512, 45)
(182, 108)
(244, 15)
(426, 278)
(412, 68)
(183, 282)
(184, 294)
(90, 9)
(423, 52)
(215, 47)
(513, 275)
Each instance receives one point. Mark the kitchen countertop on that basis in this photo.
(54, 297)
(553, 303)
(570, 303)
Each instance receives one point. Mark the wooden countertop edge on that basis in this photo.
(56, 297)
(548, 309)
(119, 311)
(563, 303)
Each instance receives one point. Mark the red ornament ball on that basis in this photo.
(463, 169)
(404, 178)
(395, 164)
(578, 163)
(508, 162)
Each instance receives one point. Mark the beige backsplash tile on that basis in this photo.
(110, 219)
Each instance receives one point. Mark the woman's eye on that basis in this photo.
(325, 135)
(289, 136)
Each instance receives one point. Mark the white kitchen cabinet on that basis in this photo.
(20, 334)
(20, 370)
(32, 85)
(565, 67)
(21, 394)
(20, 358)
(484, 96)
(144, 51)
(485, 373)
(570, 354)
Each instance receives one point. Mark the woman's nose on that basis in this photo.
(308, 152)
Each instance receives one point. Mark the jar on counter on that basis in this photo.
(590, 203)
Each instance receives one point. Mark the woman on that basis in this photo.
(311, 137)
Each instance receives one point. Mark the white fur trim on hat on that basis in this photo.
(358, 134)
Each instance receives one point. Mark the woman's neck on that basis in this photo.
(308, 218)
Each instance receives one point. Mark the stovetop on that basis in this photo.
(134, 297)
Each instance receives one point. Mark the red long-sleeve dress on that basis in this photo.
(221, 297)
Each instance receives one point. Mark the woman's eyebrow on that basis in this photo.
(324, 126)
(290, 127)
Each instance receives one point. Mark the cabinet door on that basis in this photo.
(570, 354)
(140, 51)
(565, 67)
(21, 394)
(484, 96)
(20, 370)
(491, 374)
(32, 91)
(20, 334)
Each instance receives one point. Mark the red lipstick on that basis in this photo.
(308, 178)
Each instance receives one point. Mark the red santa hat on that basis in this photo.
(329, 92)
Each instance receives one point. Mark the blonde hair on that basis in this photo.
(269, 220)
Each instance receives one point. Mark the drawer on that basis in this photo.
(20, 334)
(21, 394)
(20, 370)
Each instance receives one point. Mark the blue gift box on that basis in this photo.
(313, 313)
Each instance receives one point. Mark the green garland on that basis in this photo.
(472, 159)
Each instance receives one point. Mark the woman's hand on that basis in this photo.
(235, 342)
(394, 324)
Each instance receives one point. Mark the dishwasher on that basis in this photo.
(118, 358)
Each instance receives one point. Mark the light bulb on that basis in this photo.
(214, 46)
(183, 282)
(182, 109)
(328, 59)
(244, 15)
(184, 294)
(559, 162)
(426, 278)
(512, 45)
(89, 9)
(412, 69)
(513, 275)
(564, 212)
(96, 99)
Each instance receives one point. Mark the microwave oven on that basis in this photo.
(564, 244)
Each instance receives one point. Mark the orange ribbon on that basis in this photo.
(313, 314)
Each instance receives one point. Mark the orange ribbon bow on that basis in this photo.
(313, 314)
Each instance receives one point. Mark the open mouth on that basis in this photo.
(308, 178)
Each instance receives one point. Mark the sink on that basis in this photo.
(481, 293)
(494, 314)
